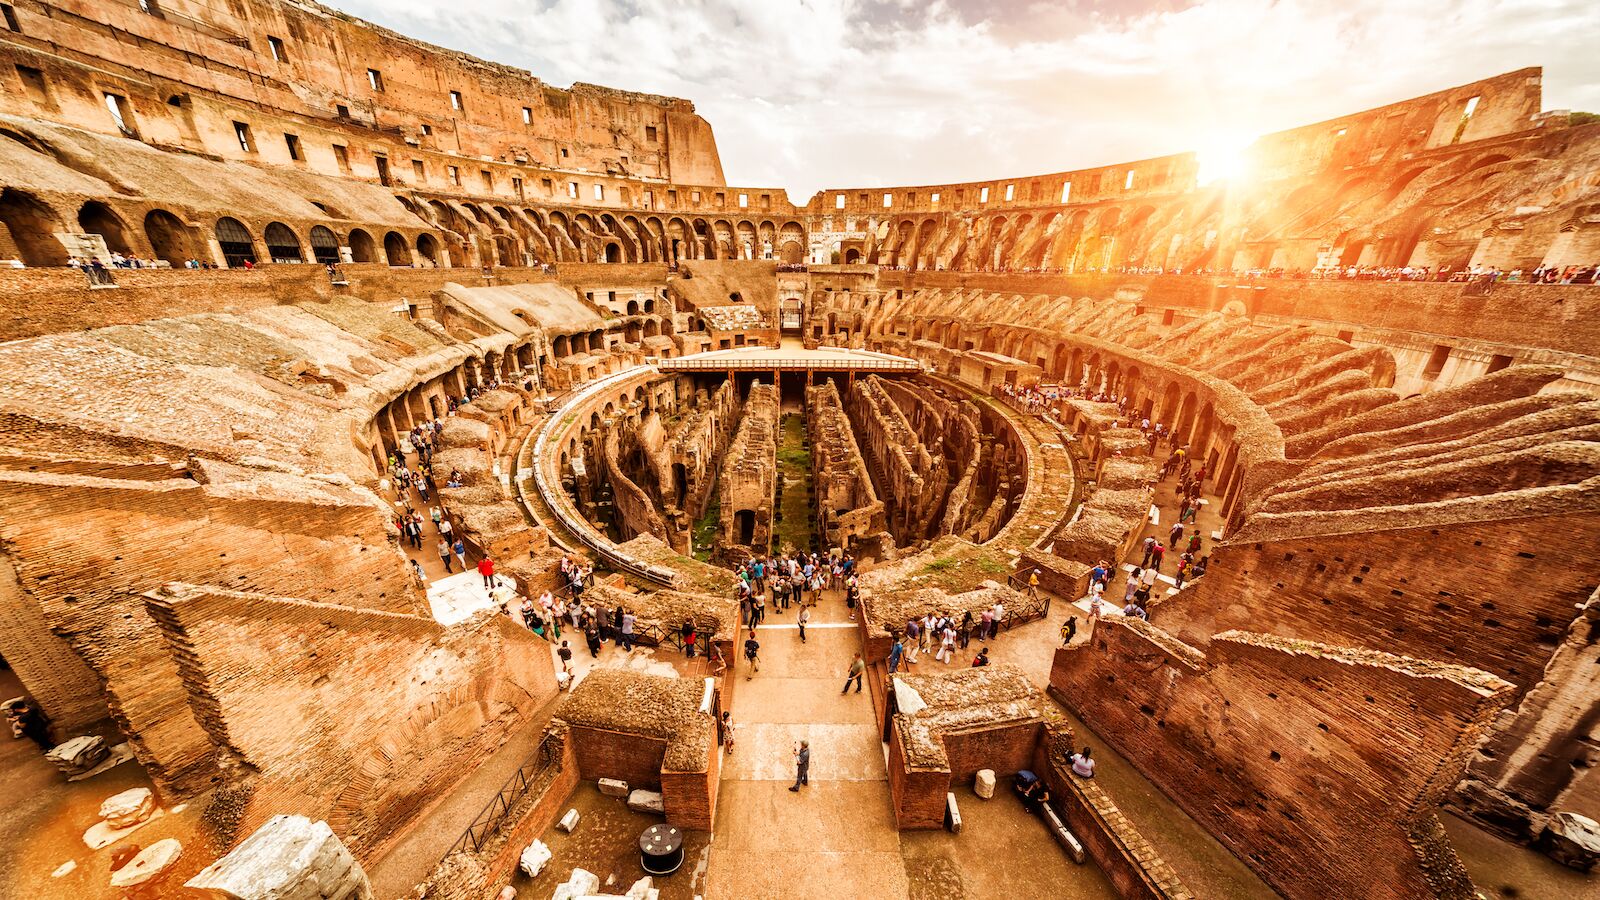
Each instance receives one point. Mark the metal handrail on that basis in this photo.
(499, 808)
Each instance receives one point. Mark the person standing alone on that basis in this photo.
(802, 765)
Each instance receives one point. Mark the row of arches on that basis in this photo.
(502, 235)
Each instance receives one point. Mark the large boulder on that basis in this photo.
(1572, 840)
(288, 858)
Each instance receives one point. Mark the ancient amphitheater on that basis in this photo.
(311, 325)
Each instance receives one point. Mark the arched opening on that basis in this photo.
(282, 245)
(234, 239)
(613, 252)
(395, 248)
(33, 228)
(324, 245)
(97, 218)
(427, 248)
(168, 237)
(363, 249)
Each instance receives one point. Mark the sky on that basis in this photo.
(808, 94)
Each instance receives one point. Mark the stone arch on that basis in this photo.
(283, 245)
(170, 239)
(238, 247)
(362, 247)
(324, 245)
(95, 217)
(33, 226)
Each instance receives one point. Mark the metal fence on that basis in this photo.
(531, 776)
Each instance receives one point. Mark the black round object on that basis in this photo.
(661, 849)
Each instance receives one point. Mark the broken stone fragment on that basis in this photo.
(611, 787)
(151, 863)
(534, 858)
(288, 857)
(581, 884)
(647, 802)
(569, 821)
(984, 785)
(128, 808)
(1572, 840)
(78, 755)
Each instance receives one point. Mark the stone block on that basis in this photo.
(1572, 840)
(80, 754)
(611, 787)
(983, 785)
(128, 808)
(534, 858)
(151, 863)
(288, 857)
(581, 884)
(647, 802)
(569, 822)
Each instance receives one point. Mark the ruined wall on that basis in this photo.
(1320, 767)
(848, 508)
(746, 486)
(85, 547)
(364, 722)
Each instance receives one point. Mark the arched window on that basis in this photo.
(282, 245)
(234, 238)
(324, 246)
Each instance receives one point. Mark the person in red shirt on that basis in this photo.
(486, 569)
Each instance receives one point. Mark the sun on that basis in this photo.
(1224, 157)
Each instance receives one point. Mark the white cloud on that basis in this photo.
(851, 93)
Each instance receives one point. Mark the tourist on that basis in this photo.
(1069, 630)
(486, 569)
(982, 659)
(857, 666)
(896, 651)
(752, 655)
(947, 643)
(625, 630)
(1082, 765)
(805, 616)
(802, 763)
(444, 554)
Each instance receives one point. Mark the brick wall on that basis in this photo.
(359, 717)
(84, 548)
(1314, 765)
(1497, 595)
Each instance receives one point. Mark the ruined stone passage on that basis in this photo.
(849, 512)
(749, 477)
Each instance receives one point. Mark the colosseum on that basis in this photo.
(421, 481)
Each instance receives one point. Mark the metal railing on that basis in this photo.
(531, 775)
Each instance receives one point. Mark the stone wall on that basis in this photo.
(365, 721)
(1320, 767)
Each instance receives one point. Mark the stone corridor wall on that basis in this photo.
(1322, 766)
